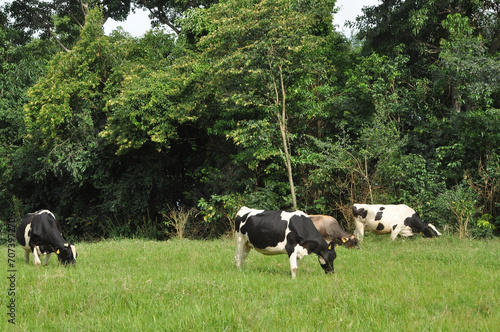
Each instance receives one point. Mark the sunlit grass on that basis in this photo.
(418, 284)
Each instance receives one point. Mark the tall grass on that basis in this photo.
(421, 284)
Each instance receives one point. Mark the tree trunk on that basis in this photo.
(456, 100)
(283, 129)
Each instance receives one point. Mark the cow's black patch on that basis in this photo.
(239, 219)
(265, 229)
(416, 224)
(44, 249)
(380, 227)
(359, 212)
(394, 227)
(429, 232)
(382, 208)
(378, 216)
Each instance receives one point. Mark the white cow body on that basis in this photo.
(394, 219)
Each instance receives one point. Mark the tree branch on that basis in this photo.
(58, 41)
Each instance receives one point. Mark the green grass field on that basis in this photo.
(443, 284)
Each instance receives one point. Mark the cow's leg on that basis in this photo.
(242, 250)
(359, 232)
(36, 259)
(401, 229)
(293, 263)
(406, 231)
(298, 253)
(27, 255)
(47, 258)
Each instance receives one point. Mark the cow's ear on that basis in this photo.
(331, 246)
(345, 239)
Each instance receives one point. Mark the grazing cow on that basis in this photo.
(331, 231)
(40, 233)
(394, 219)
(281, 232)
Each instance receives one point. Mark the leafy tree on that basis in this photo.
(63, 115)
(61, 20)
(169, 12)
(76, 124)
(247, 102)
(466, 66)
(20, 66)
(417, 25)
(469, 75)
(258, 53)
(144, 96)
(65, 108)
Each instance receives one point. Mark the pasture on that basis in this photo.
(443, 284)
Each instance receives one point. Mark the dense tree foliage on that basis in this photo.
(251, 102)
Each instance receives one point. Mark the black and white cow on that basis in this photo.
(40, 233)
(394, 219)
(331, 231)
(281, 232)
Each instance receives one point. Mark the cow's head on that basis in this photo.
(430, 231)
(326, 258)
(67, 254)
(350, 242)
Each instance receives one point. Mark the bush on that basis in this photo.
(179, 218)
(484, 227)
(458, 207)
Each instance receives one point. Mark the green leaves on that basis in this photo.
(65, 107)
(466, 67)
(259, 53)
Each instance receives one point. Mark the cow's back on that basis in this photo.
(325, 225)
(45, 224)
(302, 225)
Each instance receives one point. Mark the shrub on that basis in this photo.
(179, 218)
(459, 206)
(484, 227)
